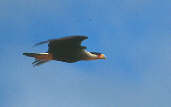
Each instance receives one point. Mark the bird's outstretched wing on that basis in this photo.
(65, 41)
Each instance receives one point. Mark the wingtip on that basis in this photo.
(84, 36)
(24, 54)
(40, 43)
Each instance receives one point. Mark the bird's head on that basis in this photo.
(98, 55)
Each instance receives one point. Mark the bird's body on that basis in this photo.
(67, 49)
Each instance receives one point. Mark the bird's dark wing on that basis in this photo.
(67, 41)
(65, 49)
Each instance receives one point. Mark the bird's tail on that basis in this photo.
(30, 54)
(40, 58)
(38, 62)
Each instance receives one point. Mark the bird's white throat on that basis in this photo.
(89, 55)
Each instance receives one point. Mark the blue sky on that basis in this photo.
(135, 35)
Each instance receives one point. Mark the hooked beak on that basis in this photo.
(101, 56)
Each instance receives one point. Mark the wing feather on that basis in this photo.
(70, 40)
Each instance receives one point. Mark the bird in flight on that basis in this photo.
(66, 49)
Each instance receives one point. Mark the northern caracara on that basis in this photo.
(67, 49)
